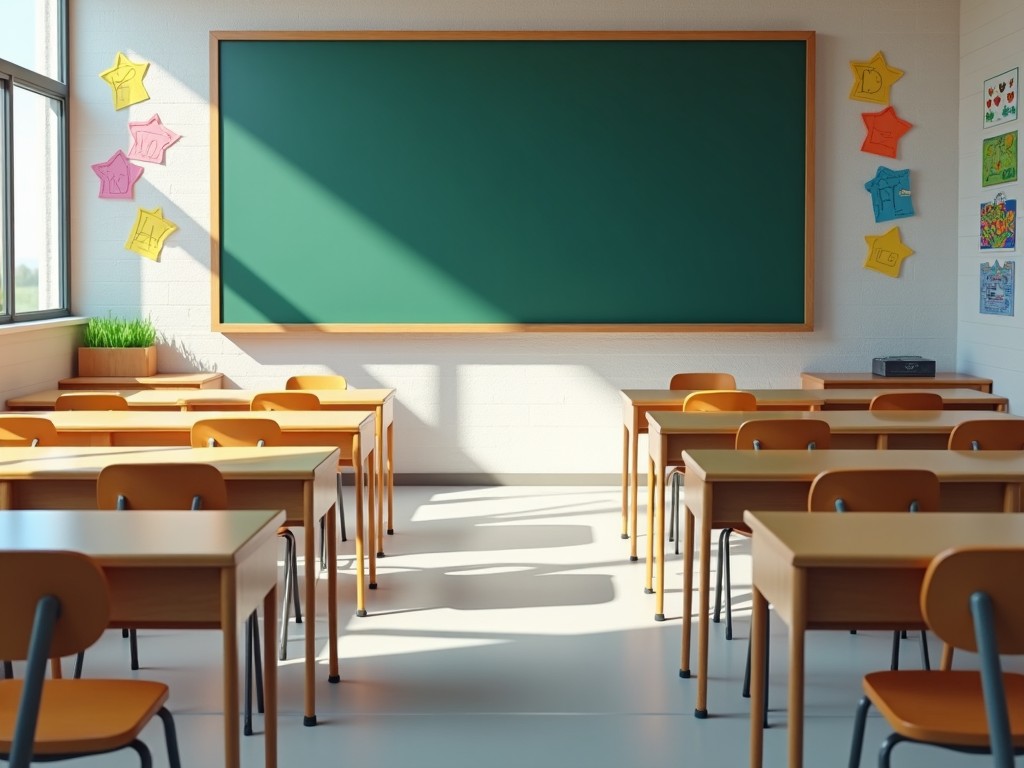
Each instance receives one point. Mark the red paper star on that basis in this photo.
(884, 132)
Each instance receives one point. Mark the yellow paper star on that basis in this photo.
(872, 79)
(125, 78)
(886, 252)
(148, 234)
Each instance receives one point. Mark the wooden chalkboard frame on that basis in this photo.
(219, 325)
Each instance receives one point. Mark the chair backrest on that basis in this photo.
(317, 381)
(783, 434)
(285, 401)
(956, 574)
(702, 381)
(20, 431)
(228, 432)
(161, 486)
(982, 435)
(906, 401)
(874, 490)
(720, 400)
(90, 401)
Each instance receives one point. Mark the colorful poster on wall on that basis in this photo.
(890, 194)
(999, 98)
(999, 159)
(996, 289)
(999, 224)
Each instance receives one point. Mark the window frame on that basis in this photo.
(12, 75)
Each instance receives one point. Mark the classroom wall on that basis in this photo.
(991, 42)
(522, 406)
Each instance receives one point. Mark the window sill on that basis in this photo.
(40, 325)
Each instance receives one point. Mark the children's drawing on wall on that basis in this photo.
(999, 159)
(117, 177)
(886, 252)
(149, 233)
(999, 224)
(997, 287)
(890, 194)
(884, 132)
(999, 98)
(150, 140)
(872, 79)
(125, 79)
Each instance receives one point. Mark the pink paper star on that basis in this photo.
(884, 132)
(150, 140)
(117, 177)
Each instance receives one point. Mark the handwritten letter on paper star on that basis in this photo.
(148, 234)
(890, 194)
(125, 78)
(150, 139)
(872, 79)
(117, 177)
(884, 132)
(886, 252)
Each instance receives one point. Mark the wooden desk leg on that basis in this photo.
(652, 482)
(270, 677)
(634, 443)
(625, 481)
(391, 478)
(309, 545)
(357, 465)
(371, 522)
(229, 638)
(378, 458)
(378, 488)
(1011, 497)
(659, 543)
(687, 524)
(703, 628)
(331, 532)
(758, 632)
(797, 629)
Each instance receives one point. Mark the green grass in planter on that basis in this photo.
(119, 332)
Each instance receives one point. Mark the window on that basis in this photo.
(33, 161)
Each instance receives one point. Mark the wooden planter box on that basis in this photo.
(116, 361)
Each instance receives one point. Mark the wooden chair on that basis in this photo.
(970, 598)
(980, 435)
(90, 401)
(317, 381)
(61, 606)
(702, 381)
(285, 401)
(877, 490)
(906, 401)
(763, 434)
(240, 432)
(25, 431)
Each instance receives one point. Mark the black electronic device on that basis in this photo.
(903, 365)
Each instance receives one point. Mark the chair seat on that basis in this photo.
(84, 715)
(942, 707)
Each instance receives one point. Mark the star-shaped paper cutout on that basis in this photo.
(148, 234)
(886, 252)
(117, 177)
(872, 79)
(150, 139)
(125, 78)
(884, 132)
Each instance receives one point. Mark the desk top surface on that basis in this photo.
(859, 378)
(647, 398)
(879, 539)
(233, 463)
(870, 422)
(150, 421)
(142, 537)
(169, 398)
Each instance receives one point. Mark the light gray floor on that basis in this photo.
(510, 629)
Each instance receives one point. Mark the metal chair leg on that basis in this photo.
(675, 508)
(171, 737)
(247, 691)
(894, 662)
(8, 670)
(859, 721)
(728, 586)
(257, 659)
(341, 509)
(719, 571)
(925, 660)
(289, 586)
(133, 644)
(79, 663)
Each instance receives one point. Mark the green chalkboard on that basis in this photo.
(496, 181)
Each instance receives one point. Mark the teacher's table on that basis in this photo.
(672, 432)
(380, 401)
(860, 380)
(298, 480)
(351, 432)
(721, 484)
(829, 571)
(177, 570)
(637, 402)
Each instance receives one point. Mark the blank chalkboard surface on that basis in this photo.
(512, 181)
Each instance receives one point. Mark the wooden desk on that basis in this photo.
(380, 401)
(177, 570)
(721, 484)
(637, 402)
(860, 380)
(672, 432)
(827, 571)
(298, 480)
(156, 381)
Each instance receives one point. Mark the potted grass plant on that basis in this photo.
(117, 346)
